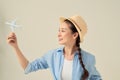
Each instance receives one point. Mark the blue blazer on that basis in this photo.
(54, 60)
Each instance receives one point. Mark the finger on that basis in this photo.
(11, 40)
(12, 34)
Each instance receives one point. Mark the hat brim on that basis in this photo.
(62, 19)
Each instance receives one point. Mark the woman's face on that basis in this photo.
(65, 35)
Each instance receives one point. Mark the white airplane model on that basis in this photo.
(12, 25)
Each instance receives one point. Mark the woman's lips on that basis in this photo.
(60, 39)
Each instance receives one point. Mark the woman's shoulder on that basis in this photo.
(87, 53)
(55, 51)
(88, 56)
(59, 49)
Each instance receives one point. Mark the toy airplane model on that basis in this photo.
(12, 25)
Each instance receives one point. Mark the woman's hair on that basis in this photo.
(73, 29)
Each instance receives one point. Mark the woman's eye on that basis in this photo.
(63, 31)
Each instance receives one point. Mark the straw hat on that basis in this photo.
(79, 23)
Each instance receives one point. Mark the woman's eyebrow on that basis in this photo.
(63, 28)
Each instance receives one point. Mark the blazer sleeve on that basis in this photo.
(39, 63)
(93, 73)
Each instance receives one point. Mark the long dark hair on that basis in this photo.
(73, 29)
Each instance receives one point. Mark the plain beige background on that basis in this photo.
(40, 22)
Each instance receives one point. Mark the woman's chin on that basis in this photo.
(61, 43)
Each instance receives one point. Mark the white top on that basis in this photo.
(67, 70)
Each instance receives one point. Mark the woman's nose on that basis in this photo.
(59, 34)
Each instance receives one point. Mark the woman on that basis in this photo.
(66, 63)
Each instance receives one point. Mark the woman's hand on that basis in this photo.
(12, 40)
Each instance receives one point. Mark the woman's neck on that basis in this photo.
(69, 52)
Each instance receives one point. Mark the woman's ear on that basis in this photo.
(75, 35)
